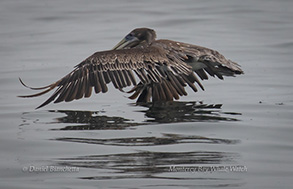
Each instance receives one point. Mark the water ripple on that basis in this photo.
(145, 164)
(166, 139)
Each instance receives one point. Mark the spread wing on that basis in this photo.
(164, 78)
(202, 60)
(164, 69)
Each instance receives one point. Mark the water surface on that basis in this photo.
(235, 134)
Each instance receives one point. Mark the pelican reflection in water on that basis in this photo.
(164, 68)
(166, 112)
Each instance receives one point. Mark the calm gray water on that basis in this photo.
(236, 134)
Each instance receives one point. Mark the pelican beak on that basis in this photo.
(126, 43)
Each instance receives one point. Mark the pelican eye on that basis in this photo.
(129, 36)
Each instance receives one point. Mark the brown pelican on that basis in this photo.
(164, 68)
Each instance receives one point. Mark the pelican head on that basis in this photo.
(136, 37)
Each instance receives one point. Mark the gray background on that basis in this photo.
(118, 145)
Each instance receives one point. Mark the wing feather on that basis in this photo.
(106, 77)
(201, 59)
(168, 93)
(71, 91)
(164, 69)
(172, 90)
(102, 82)
(122, 78)
(97, 83)
(126, 77)
(88, 87)
(63, 93)
(131, 76)
(80, 90)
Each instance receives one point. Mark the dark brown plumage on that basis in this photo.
(164, 68)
